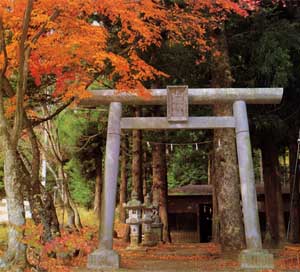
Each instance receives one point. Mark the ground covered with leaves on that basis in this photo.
(69, 253)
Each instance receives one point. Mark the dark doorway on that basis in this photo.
(205, 222)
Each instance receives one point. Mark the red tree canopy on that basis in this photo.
(73, 42)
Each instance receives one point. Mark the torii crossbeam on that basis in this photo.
(253, 256)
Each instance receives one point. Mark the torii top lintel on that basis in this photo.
(195, 96)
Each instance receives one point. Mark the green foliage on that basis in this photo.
(187, 165)
(263, 48)
(273, 56)
(82, 135)
(81, 189)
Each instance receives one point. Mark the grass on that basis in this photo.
(3, 236)
(88, 217)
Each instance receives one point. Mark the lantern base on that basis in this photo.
(148, 240)
(103, 259)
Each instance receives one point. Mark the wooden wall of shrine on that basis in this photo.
(190, 212)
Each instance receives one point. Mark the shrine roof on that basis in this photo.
(206, 190)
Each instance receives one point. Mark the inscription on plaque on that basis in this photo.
(177, 104)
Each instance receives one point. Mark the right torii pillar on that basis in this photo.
(254, 257)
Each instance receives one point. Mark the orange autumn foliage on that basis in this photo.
(71, 48)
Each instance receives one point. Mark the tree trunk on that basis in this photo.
(16, 250)
(160, 187)
(273, 194)
(137, 182)
(41, 202)
(98, 184)
(15, 255)
(126, 237)
(78, 223)
(123, 180)
(225, 161)
(215, 215)
(73, 218)
(145, 173)
(294, 221)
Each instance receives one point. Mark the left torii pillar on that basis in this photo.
(105, 256)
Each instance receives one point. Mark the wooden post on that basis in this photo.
(104, 256)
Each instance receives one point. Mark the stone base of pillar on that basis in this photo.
(256, 259)
(103, 259)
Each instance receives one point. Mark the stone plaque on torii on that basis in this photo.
(253, 256)
(177, 104)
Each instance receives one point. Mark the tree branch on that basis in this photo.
(59, 110)
(43, 28)
(23, 75)
(35, 163)
(4, 128)
(7, 88)
(3, 48)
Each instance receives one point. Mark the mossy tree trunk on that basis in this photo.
(215, 216)
(225, 176)
(160, 187)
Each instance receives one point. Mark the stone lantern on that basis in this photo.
(156, 226)
(134, 208)
(147, 222)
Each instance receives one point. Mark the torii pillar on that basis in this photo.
(254, 257)
(105, 256)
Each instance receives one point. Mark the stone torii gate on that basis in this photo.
(178, 98)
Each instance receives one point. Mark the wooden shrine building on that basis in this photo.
(190, 212)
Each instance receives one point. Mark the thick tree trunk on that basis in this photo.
(137, 181)
(15, 255)
(273, 194)
(98, 184)
(228, 188)
(294, 222)
(160, 187)
(16, 250)
(123, 181)
(215, 216)
(225, 161)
